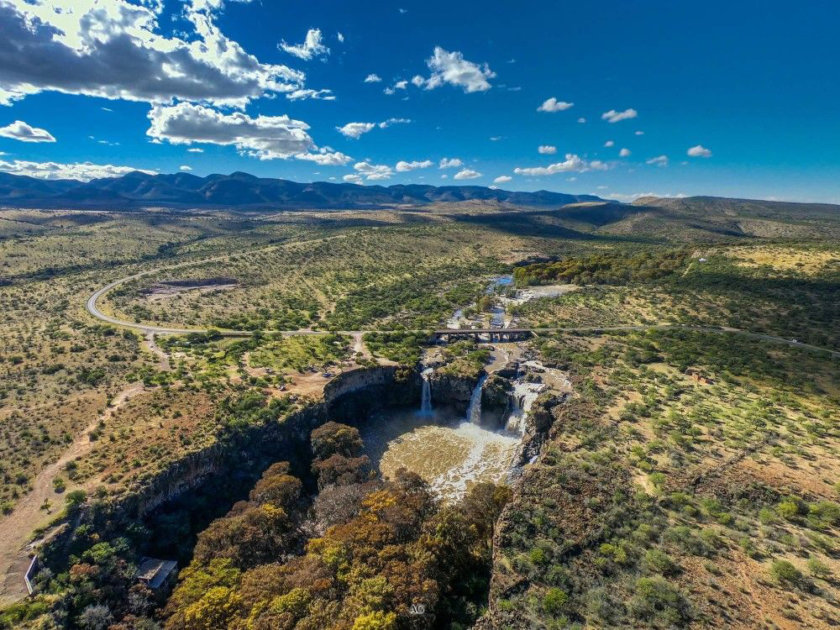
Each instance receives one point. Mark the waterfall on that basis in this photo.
(523, 396)
(426, 395)
(474, 410)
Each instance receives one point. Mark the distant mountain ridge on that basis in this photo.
(241, 190)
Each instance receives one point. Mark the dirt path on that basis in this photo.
(155, 349)
(16, 529)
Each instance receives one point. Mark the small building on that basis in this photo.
(156, 573)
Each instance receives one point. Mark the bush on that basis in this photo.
(657, 601)
(657, 561)
(818, 568)
(555, 601)
(785, 573)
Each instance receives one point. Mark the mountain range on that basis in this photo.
(241, 190)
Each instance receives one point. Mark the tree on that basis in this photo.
(333, 438)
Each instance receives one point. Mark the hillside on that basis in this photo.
(241, 190)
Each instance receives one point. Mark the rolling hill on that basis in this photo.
(241, 190)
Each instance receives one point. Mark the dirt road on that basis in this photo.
(16, 528)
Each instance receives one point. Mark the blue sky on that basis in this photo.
(750, 89)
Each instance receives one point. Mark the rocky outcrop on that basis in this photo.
(452, 390)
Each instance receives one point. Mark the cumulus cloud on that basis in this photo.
(609, 143)
(325, 156)
(184, 168)
(19, 130)
(340, 37)
(264, 137)
(356, 130)
(115, 49)
(451, 163)
(369, 172)
(451, 68)
(312, 46)
(404, 167)
(624, 153)
(466, 173)
(82, 171)
(552, 105)
(660, 160)
(373, 78)
(581, 120)
(547, 149)
(613, 116)
(699, 151)
(572, 163)
(502, 179)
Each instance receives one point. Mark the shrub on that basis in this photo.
(818, 568)
(791, 507)
(658, 600)
(785, 573)
(555, 601)
(657, 561)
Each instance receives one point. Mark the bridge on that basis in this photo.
(482, 334)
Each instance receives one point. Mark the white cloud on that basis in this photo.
(624, 153)
(547, 149)
(312, 46)
(83, 171)
(356, 130)
(466, 173)
(373, 78)
(572, 163)
(609, 143)
(613, 116)
(325, 156)
(371, 172)
(660, 160)
(264, 137)
(353, 178)
(451, 163)
(404, 167)
(394, 121)
(115, 49)
(553, 105)
(502, 179)
(195, 150)
(302, 93)
(340, 37)
(581, 120)
(640, 133)
(19, 130)
(184, 168)
(452, 68)
(699, 151)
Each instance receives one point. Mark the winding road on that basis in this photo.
(150, 330)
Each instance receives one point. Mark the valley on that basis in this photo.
(668, 426)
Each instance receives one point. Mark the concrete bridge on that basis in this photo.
(489, 335)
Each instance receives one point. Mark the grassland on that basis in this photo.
(686, 471)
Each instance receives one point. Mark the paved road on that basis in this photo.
(147, 329)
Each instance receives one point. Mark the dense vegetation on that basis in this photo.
(603, 268)
(367, 554)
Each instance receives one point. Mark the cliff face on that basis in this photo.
(452, 390)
